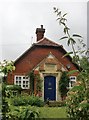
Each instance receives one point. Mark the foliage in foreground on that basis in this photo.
(8, 111)
(39, 112)
(20, 106)
(78, 96)
(77, 105)
(22, 113)
(24, 100)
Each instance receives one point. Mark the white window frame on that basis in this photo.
(22, 81)
(71, 80)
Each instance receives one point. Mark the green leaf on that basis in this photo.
(65, 14)
(67, 54)
(84, 45)
(55, 9)
(62, 23)
(63, 19)
(68, 43)
(63, 37)
(66, 29)
(72, 72)
(82, 51)
(59, 13)
(58, 19)
(71, 40)
(76, 35)
(75, 59)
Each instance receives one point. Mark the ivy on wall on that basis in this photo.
(63, 85)
(32, 77)
(39, 83)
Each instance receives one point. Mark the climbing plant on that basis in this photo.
(63, 85)
(39, 83)
(32, 77)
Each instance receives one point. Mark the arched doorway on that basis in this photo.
(49, 88)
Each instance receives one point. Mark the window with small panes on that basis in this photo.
(72, 81)
(22, 81)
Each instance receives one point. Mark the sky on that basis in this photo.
(20, 18)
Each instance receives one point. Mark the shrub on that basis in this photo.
(13, 87)
(77, 105)
(27, 100)
(23, 113)
(12, 90)
(37, 101)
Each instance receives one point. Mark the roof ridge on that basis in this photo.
(40, 40)
(53, 41)
(43, 39)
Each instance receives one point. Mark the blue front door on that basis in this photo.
(49, 88)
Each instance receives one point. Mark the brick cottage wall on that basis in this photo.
(34, 56)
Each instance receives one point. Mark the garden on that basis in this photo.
(21, 106)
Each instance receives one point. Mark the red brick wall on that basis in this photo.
(33, 57)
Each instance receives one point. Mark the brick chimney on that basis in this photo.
(40, 33)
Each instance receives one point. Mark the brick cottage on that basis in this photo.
(44, 58)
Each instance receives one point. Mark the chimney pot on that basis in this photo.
(41, 26)
(40, 33)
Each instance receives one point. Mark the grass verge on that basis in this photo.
(52, 112)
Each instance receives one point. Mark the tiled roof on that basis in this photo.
(42, 42)
(47, 42)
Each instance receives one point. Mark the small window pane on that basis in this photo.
(19, 82)
(72, 83)
(23, 82)
(19, 78)
(26, 85)
(26, 77)
(16, 78)
(26, 82)
(16, 82)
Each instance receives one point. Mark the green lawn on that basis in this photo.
(45, 112)
(52, 112)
